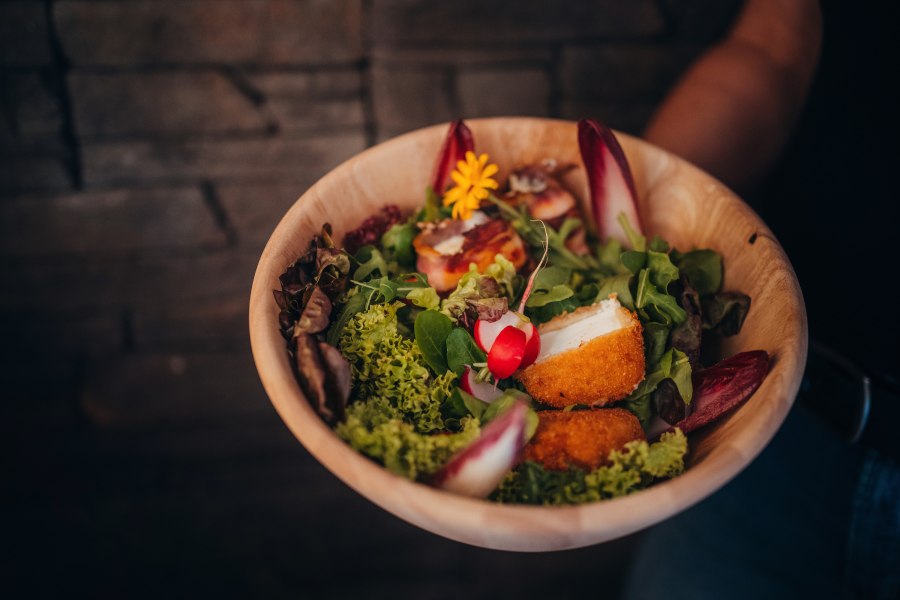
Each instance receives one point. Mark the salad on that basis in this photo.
(500, 343)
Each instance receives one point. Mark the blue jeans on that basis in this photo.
(811, 517)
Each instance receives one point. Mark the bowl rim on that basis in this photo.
(476, 521)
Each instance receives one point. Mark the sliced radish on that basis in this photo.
(532, 344)
(479, 468)
(459, 140)
(486, 332)
(482, 390)
(507, 352)
(610, 181)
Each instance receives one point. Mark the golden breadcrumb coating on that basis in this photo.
(602, 370)
(581, 438)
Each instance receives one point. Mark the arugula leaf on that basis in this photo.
(462, 350)
(662, 271)
(370, 261)
(356, 303)
(609, 257)
(431, 330)
(703, 269)
(657, 303)
(620, 285)
(638, 242)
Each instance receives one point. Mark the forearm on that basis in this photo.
(734, 109)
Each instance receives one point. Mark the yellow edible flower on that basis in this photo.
(473, 180)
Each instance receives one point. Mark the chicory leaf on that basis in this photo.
(725, 312)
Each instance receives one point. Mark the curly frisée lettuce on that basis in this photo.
(397, 444)
(390, 370)
(633, 468)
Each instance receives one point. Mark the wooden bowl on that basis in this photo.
(678, 201)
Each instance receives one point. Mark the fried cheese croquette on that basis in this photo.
(581, 438)
(592, 356)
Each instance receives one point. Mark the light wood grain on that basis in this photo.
(678, 201)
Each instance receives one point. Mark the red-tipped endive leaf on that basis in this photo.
(480, 467)
(610, 181)
(724, 386)
(482, 390)
(459, 141)
(507, 352)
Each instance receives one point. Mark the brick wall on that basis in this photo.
(148, 148)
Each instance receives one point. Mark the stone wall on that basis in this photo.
(148, 148)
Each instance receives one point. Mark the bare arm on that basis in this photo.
(734, 109)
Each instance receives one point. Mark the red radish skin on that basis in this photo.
(479, 468)
(532, 346)
(610, 181)
(485, 332)
(482, 390)
(459, 140)
(723, 387)
(507, 352)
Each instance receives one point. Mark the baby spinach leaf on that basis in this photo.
(462, 350)
(431, 330)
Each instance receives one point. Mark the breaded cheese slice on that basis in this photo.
(593, 356)
(581, 438)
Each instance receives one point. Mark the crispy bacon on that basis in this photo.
(479, 245)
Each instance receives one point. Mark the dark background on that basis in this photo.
(148, 148)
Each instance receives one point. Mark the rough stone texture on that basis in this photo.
(293, 115)
(345, 83)
(116, 222)
(262, 159)
(408, 98)
(24, 38)
(504, 92)
(270, 32)
(255, 210)
(189, 388)
(464, 56)
(623, 71)
(497, 21)
(168, 103)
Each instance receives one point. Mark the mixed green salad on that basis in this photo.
(411, 336)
